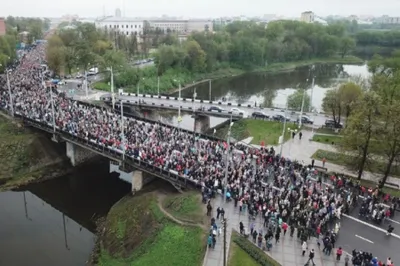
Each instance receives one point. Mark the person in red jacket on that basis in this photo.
(284, 227)
(339, 253)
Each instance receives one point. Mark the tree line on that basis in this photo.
(372, 112)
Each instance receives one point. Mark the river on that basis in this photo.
(52, 223)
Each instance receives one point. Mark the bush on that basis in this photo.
(257, 254)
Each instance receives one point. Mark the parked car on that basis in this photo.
(330, 123)
(237, 111)
(215, 109)
(281, 118)
(258, 114)
(305, 120)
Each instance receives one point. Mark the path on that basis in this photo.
(302, 150)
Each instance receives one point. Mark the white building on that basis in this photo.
(128, 26)
(181, 26)
(307, 17)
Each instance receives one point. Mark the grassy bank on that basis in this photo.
(327, 139)
(326, 130)
(185, 207)
(138, 233)
(170, 80)
(239, 257)
(372, 166)
(24, 155)
(261, 131)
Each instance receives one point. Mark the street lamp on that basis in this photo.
(179, 102)
(122, 131)
(51, 101)
(9, 92)
(282, 137)
(227, 160)
(112, 87)
(138, 91)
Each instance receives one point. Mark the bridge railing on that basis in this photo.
(114, 153)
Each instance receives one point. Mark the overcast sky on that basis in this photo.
(197, 8)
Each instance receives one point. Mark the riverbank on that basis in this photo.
(27, 156)
(170, 80)
(139, 230)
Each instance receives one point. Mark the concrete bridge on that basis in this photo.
(200, 107)
(79, 150)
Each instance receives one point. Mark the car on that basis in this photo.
(237, 111)
(258, 114)
(330, 123)
(305, 120)
(215, 109)
(281, 118)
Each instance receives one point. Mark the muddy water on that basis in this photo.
(52, 223)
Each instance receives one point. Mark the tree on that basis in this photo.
(55, 57)
(361, 128)
(295, 100)
(331, 103)
(349, 94)
(346, 44)
(196, 57)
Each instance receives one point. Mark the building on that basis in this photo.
(128, 26)
(389, 20)
(181, 26)
(2, 27)
(308, 17)
(118, 13)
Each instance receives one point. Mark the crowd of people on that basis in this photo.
(285, 194)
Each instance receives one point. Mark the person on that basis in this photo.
(300, 135)
(222, 213)
(323, 162)
(346, 260)
(304, 247)
(210, 241)
(241, 227)
(218, 212)
(390, 230)
(339, 253)
(310, 258)
(209, 208)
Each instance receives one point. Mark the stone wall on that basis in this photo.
(77, 154)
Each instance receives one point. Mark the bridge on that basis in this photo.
(80, 149)
(201, 107)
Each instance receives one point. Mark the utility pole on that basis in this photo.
(227, 160)
(284, 130)
(312, 91)
(158, 85)
(301, 109)
(225, 225)
(209, 90)
(9, 93)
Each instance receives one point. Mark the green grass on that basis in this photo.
(139, 234)
(348, 161)
(185, 207)
(325, 130)
(239, 257)
(327, 139)
(103, 86)
(267, 131)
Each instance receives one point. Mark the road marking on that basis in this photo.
(393, 221)
(370, 225)
(363, 238)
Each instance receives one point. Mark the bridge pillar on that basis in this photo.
(140, 179)
(78, 155)
(201, 123)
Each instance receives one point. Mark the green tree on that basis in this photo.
(361, 129)
(349, 93)
(295, 100)
(196, 57)
(55, 57)
(331, 103)
(346, 44)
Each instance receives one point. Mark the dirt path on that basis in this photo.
(160, 198)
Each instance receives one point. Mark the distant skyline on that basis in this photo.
(192, 8)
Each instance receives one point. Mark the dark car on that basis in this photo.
(305, 120)
(330, 123)
(215, 109)
(281, 118)
(258, 114)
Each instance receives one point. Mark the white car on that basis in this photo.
(237, 111)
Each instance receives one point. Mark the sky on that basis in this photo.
(197, 8)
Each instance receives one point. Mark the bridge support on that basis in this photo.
(140, 179)
(201, 123)
(78, 155)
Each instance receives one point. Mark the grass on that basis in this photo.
(185, 206)
(325, 130)
(261, 131)
(334, 139)
(239, 257)
(348, 161)
(139, 234)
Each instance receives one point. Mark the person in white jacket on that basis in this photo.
(304, 247)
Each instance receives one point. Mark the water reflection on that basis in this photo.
(264, 88)
(52, 223)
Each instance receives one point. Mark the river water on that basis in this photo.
(52, 223)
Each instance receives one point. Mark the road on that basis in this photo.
(319, 119)
(359, 236)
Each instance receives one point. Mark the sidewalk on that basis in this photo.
(287, 251)
(302, 150)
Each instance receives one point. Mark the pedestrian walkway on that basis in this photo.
(302, 150)
(288, 251)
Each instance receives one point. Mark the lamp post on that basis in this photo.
(227, 160)
(302, 108)
(282, 138)
(179, 102)
(209, 90)
(112, 87)
(158, 85)
(138, 91)
(122, 131)
(9, 92)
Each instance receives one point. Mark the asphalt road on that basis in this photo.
(356, 235)
(319, 119)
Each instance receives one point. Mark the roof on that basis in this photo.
(117, 19)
